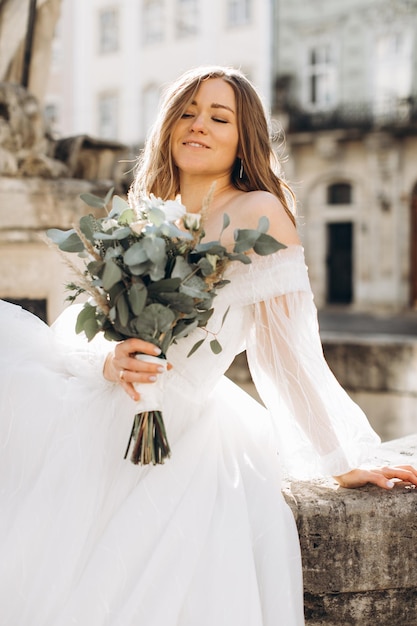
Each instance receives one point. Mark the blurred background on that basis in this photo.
(80, 85)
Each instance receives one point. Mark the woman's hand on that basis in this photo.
(122, 367)
(384, 477)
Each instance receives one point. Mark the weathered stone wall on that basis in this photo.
(359, 548)
(28, 207)
(380, 374)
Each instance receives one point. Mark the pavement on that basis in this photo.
(344, 321)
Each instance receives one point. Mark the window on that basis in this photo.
(238, 12)
(392, 72)
(153, 21)
(339, 193)
(187, 17)
(51, 113)
(320, 77)
(108, 31)
(108, 116)
(150, 101)
(51, 117)
(56, 46)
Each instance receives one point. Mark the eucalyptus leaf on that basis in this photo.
(215, 346)
(184, 328)
(155, 248)
(127, 217)
(204, 316)
(113, 252)
(93, 200)
(116, 234)
(179, 301)
(112, 335)
(142, 269)
(243, 258)
(137, 297)
(111, 275)
(88, 225)
(87, 322)
(263, 224)
(181, 269)
(267, 245)
(136, 254)
(108, 195)
(154, 320)
(95, 267)
(205, 266)
(245, 239)
(156, 216)
(122, 233)
(157, 271)
(226, 221)
(225, 314)
(122, 311)
(167, 284)
(166, 341)
(194, 292)
(196, 346)
(66, 240)
(170, 230)
(119, 205)
(212, 247)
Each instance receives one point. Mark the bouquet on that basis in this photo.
(151, 275)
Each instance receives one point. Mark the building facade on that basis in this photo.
(113, 58)
(345, 86)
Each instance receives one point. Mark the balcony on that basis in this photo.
(394, 115)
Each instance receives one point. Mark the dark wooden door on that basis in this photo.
(340, 263)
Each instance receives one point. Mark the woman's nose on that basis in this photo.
(198, 124)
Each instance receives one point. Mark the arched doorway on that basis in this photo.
(413, 249)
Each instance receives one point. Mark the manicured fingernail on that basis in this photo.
(390, 484)
(152, 378)
(161, 369)
(157, 351)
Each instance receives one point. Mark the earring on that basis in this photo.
(241, 169)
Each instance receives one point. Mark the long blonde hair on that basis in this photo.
(157, 173)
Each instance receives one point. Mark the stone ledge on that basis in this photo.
(359, 547)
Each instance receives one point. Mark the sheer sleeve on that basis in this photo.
(320, 430)
(82, 358)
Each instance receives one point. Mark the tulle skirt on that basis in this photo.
(88, 538)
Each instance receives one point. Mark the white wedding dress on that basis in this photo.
(206, 539)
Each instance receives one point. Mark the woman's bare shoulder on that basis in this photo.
(256, 204)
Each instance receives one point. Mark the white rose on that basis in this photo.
(173, 210)
(109, 223)
(192, 221)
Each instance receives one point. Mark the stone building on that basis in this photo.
(345, 85)
(109, 63)
(112, 58)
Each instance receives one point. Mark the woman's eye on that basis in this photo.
(217, 119)
(186, 115)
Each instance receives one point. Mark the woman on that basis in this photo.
(206, 538)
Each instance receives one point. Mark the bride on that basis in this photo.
(206, 539)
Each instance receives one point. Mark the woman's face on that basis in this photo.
(205, 139)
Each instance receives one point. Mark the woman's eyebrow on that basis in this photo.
(216, 105)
